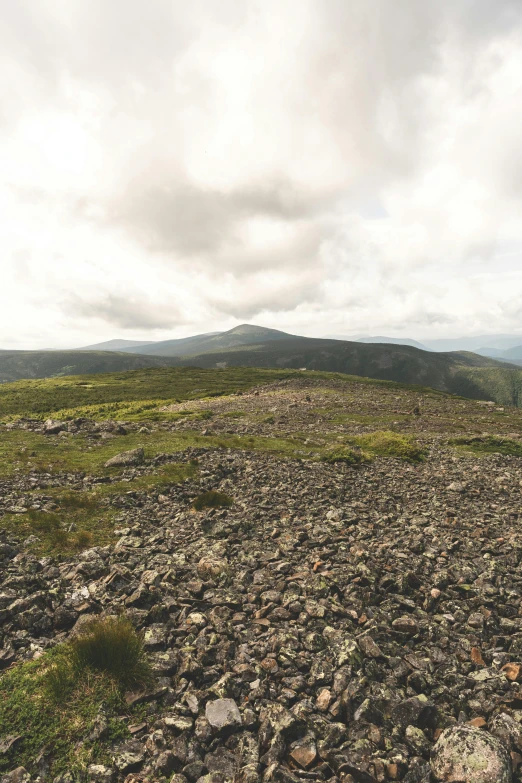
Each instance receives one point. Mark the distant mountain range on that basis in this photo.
(505, 347)
(458, 372)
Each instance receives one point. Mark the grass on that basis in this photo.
(489, 444)
(212, 499)
(112, 646)
(364, 448)
(391, 444)
(132, 395)
(55, 702)
(83, 519)
(138, 395)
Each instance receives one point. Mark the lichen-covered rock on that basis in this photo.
(464, 754)
(126, 459)
(223, 714)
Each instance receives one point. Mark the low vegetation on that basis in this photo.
(490, 444)
(61, 701)
(108, 645)
(81, 519)
(132, 395)
(212, 499)
(391, 444)
(347, 455)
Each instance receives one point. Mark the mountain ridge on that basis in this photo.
(462, 373)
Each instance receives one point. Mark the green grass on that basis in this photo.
(54, 703)
(346, 455)
(138, 395)
(110, 645)
(364, 448)
(489, 445)
(391, 444)
(125, 395)
(212, 499)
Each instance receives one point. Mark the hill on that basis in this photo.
(113, 345)
(393, 341)
(477, 343)
(48, 364)
(458, 372)
(246, 334)
(461, 373)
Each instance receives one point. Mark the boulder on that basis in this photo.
(465, 754)
(52, 427)
(223, 714)
(126, 459)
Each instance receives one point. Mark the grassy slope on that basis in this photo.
(47, 364)
(110, 390)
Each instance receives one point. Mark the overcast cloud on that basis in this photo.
(319, 166)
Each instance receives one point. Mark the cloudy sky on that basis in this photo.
(320, 166)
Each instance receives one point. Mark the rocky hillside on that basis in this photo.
(347, 607)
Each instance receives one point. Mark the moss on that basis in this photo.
(212, 499)
(392, 444)
(347, 455)
(82, 519)
(490, 445)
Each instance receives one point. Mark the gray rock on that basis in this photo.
(126, 459)
(130, 757)
(52, 427)
(98, 773)
(18, 775)
(464, 754)
(223, 714)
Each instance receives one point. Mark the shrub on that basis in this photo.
(212, 499)
(111, 645)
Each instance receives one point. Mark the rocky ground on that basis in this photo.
(336, 623)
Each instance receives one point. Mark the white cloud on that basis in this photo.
(315, 166)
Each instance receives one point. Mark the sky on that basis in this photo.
(318, 166)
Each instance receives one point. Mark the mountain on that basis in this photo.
(393, 341)
(402, 363)
(246, 334)
(479, 343)
(15, 365)
(112, 345)
(463, 373)
(514, 354)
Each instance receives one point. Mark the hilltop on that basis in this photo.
(324, 572)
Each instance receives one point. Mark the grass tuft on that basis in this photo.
(54, 703)
(111, 645)
(212, 499)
